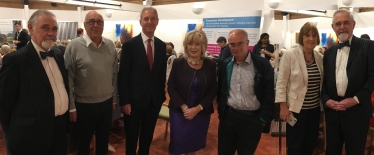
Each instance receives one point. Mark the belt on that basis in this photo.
(241, 112)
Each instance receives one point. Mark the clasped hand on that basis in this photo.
(342, 105)
(190, 113)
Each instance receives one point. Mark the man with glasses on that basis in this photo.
(245, 97)
(91, 61)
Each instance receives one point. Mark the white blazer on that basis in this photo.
(292, 83)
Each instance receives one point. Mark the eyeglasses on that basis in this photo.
(92, 22)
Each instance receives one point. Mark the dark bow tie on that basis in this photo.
(44, 55)
(341, 45)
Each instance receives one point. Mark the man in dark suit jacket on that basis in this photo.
(141, 83)
(347, 86)
(33, 93)
(20, 37)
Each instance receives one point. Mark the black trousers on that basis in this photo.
(239, 132)
(351, 131)
(59, 141)
(142, 121)
(93, 118)
(302, 137)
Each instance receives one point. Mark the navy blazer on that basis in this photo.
(263, 87)
(180, 80)
(27, 109)
(137, 84)
(360, 73)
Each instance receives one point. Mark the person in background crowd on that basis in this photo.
(169, 51)
(93, 88)
(172, 46)
(192, 89)
(80, 32)
(225, 50)
(302, 61)
(347, 86)
(365, 36)
(263, 47)
(245, 97)
(20, 37)
(142, 75)
(118, 46)
(4, 50)
(28, 35)
(33, 92)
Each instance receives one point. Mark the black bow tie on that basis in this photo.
(341, 45)
(44, 55)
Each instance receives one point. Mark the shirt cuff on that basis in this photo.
(72, 110)
(355, 97)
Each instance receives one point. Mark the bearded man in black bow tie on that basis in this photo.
(347, 86)
(33, 93)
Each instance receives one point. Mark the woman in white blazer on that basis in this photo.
(298, 90)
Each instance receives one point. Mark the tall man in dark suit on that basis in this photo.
(347, 86)
(20, 37)
(33, 92)
(141, 83)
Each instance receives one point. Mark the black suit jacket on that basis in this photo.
(137, 84)
(23, 38)
(27, 110)
(360, 72)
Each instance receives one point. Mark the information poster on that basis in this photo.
(216, 27)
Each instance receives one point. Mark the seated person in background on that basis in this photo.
(172, 46)
(365, 36)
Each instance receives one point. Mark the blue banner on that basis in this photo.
(232, 22)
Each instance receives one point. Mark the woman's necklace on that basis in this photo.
(309, 60)
(193, 62)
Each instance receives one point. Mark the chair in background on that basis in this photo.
(164, 115)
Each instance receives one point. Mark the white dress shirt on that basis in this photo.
(57, 82)
(145, 42)
(341, 70)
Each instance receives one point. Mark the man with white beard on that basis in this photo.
(33, 92)
(348, 84)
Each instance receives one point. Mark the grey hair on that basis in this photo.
(5, 48)
(36, 14)
(342, 11)
(148, 8)
(241, 31)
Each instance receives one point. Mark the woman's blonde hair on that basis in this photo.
(195, 36)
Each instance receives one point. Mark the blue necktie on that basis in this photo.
(44, 55)
(341, 45)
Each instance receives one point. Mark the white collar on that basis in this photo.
(89, 41)
(145, 37)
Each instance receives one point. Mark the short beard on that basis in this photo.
(48, 44)
(343, 37)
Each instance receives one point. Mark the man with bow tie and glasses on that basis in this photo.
(33, 92)
(92, 66)
(347, 86)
